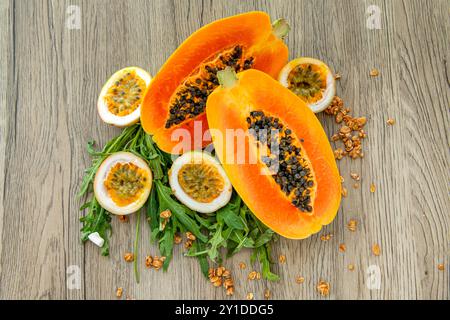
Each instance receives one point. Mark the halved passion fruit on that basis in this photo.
(122, 183)
(199, 182)
(311, 80)
(121, 97)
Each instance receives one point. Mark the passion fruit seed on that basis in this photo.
(125, 183)
(306, 81)
(294, 174)
(201, 181)
(190, 98)
(125, 95)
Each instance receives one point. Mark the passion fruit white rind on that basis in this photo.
(109, 117)
(104, 196)
(328, 92)
(199, 182)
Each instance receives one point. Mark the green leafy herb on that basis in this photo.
(96, 220)
(181, 212)
(232, 227)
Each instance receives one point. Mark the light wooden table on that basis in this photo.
(51, 76)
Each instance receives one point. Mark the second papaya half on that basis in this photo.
(177, 95)
(293, 185)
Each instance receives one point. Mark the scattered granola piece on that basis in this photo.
(355, 176)
(337, 76)
(249, 296)
(177, 239)
(390, 121)
(119, 292)
(351, 267)
(148, 261)
(230, 291)
(342, 179)
(374, 72)
(188, 244)
(190, 236)
(252, 275)
(299, 279)
(258, 275)
(376, 250)
(324, 288)
(228, 282)
(242, 265)
(129, 257)
(217, 281)
(344, 192)
(352, 225)
(441, 267)
(157, 264)
(219, 271)
(326, 237)
(123, 218)
(267, 294)
(356, 186)
(339, 153)
(166, 214)
(372, 187)
(342, 247)
(282, 258)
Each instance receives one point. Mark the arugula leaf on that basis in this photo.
(153, 215)
(182, 213)
(166, 244)
(264, 260)
(98, 220)
(264, 238)
(216, 242)
(203, 261)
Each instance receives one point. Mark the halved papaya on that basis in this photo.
(293, 184)
(177, 95)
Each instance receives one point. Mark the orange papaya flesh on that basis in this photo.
(303, 193)
(176, 97)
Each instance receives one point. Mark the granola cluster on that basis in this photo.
(351, 131)
(221, 276)
(154, 262)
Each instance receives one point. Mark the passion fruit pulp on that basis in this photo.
(199, 182)
(121, 97)
(311, 80)
(122, 183)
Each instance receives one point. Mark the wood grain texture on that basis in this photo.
(49, 85)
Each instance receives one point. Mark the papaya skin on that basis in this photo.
(228, 108)
(253, 31)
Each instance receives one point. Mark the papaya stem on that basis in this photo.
(280, 28)
(227, 77)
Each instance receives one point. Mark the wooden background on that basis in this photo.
(51, 77)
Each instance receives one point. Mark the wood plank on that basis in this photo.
(423, 102)
(4, 70)
(33, 252)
